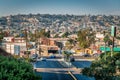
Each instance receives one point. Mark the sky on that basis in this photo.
(75, 7)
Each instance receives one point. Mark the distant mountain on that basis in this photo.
(32, 21)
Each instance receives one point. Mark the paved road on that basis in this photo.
(50, 70)
(53, 70)
(82, 64)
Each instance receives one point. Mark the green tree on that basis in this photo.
(65, 35)
(47, 34)
(13, 69)
(107, 40)
(1, 35)
(56, 36)
(85, 38)
(70, 44)
(42, 33)
(67, 55)
(104, 69)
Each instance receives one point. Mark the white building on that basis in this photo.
(101, 36)
(12, 39)
(10, 47)
(8, 39)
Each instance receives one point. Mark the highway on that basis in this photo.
(51, 70)
(81, 64)
(54, 70)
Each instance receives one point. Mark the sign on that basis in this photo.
(116, 48)
(104, 49)
(113, 31)
(109, 49)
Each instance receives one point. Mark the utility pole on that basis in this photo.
(105, 44)
(113, 34)
(26, 39)
(35, 41)
(112, 46)
(39, 47)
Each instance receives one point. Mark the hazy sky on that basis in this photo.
(77, 7)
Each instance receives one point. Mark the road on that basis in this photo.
(79, 65)
(52, 70)
(82, 64)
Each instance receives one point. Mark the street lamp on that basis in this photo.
(26, 38)
(39, 49)
(105, 44)
(37, 43)
(113, 34)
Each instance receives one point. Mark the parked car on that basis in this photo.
(96, 55)
(72, 59)
(34, 56)
(87, 55)
(43, 59)
(82, 54)
(52, 56)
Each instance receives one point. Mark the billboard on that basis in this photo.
(113, 31)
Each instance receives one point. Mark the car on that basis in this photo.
(34, 56)
(52, 56)
(87, 55)
(96, 55)
(82, 54)
(72, 59)
(43, 59)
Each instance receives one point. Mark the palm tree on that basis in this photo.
(67, 55)
(1, 35)
(42, 33)
(72, 42)
(85, 38)
(65, 35)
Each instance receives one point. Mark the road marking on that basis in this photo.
(56, 70)
(72, 75)
(63, 59)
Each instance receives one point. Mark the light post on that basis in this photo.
(69, 64)
(40, 49)
(111, 50)
(26, 39)
(113, 34)
(105, 44)
(35, 41)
